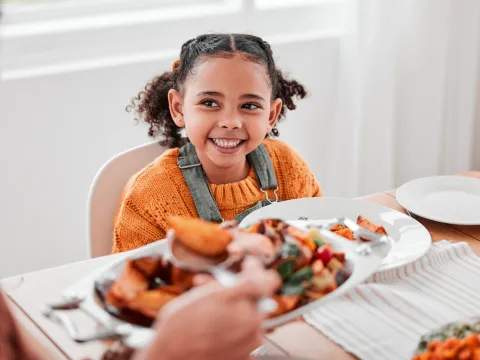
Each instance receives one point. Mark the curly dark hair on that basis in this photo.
(151, 104)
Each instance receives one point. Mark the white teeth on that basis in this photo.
(226, 143)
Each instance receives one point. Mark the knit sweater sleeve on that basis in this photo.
(296, 179)
(133, 228)
(153, 195)
(310, 186)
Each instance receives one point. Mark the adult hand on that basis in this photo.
(253, 244)
(212, 322)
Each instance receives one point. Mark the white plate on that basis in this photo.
(446, 199)
(411, 239)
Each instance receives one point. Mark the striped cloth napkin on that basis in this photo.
(385, 317)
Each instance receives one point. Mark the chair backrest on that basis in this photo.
(106, 190)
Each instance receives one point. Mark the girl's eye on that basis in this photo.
(250, 106)
(210, 103)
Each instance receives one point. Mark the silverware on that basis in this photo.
(134, 338)
(363, 248)
(70, 303)
(72, 331)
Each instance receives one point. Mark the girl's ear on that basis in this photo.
(275, 109)
(175, 102)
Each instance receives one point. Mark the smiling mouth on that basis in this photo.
(228, 143)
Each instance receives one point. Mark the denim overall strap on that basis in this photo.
(197, 183)
(199, 187)
(263, 167)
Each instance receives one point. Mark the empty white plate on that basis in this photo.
(446, 199)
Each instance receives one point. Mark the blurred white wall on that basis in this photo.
(62, 101)
(393, 97)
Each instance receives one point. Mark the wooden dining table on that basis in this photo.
(294, 339)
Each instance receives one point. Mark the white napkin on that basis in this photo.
(385, 317)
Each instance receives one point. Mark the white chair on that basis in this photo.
(105, 192)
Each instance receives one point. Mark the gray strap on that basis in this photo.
(262, 164)
(197, 183)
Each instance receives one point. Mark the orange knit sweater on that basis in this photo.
(159, 191)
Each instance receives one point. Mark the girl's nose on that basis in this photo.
(231, 123)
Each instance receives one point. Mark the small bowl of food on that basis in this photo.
(459, 340)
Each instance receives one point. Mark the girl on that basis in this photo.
(227, 94)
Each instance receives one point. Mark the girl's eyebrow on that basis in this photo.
(244, 96)
(252, 96)
(210, 93)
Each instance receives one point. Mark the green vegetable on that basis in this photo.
(305, 274)
(296, 282)
(286, 269)
(319, 242)
(289, 250)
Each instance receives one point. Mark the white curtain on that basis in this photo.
(408, 93)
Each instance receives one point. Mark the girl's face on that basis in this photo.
(226, 109)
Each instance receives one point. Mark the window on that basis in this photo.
(20, 11)
(48, 36)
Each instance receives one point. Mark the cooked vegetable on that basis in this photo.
(334, 264)
(298, 282)
(316, 236)
(452, 348)
(460, 340)
(302, 275)
(324, 282)
(324, 253)
(339, 255)
(341, 276)
(289, 250)
(286, 269)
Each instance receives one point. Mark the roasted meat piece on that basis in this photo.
(367, 224)
(202, 237)
(129, 284)
(150, 302)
